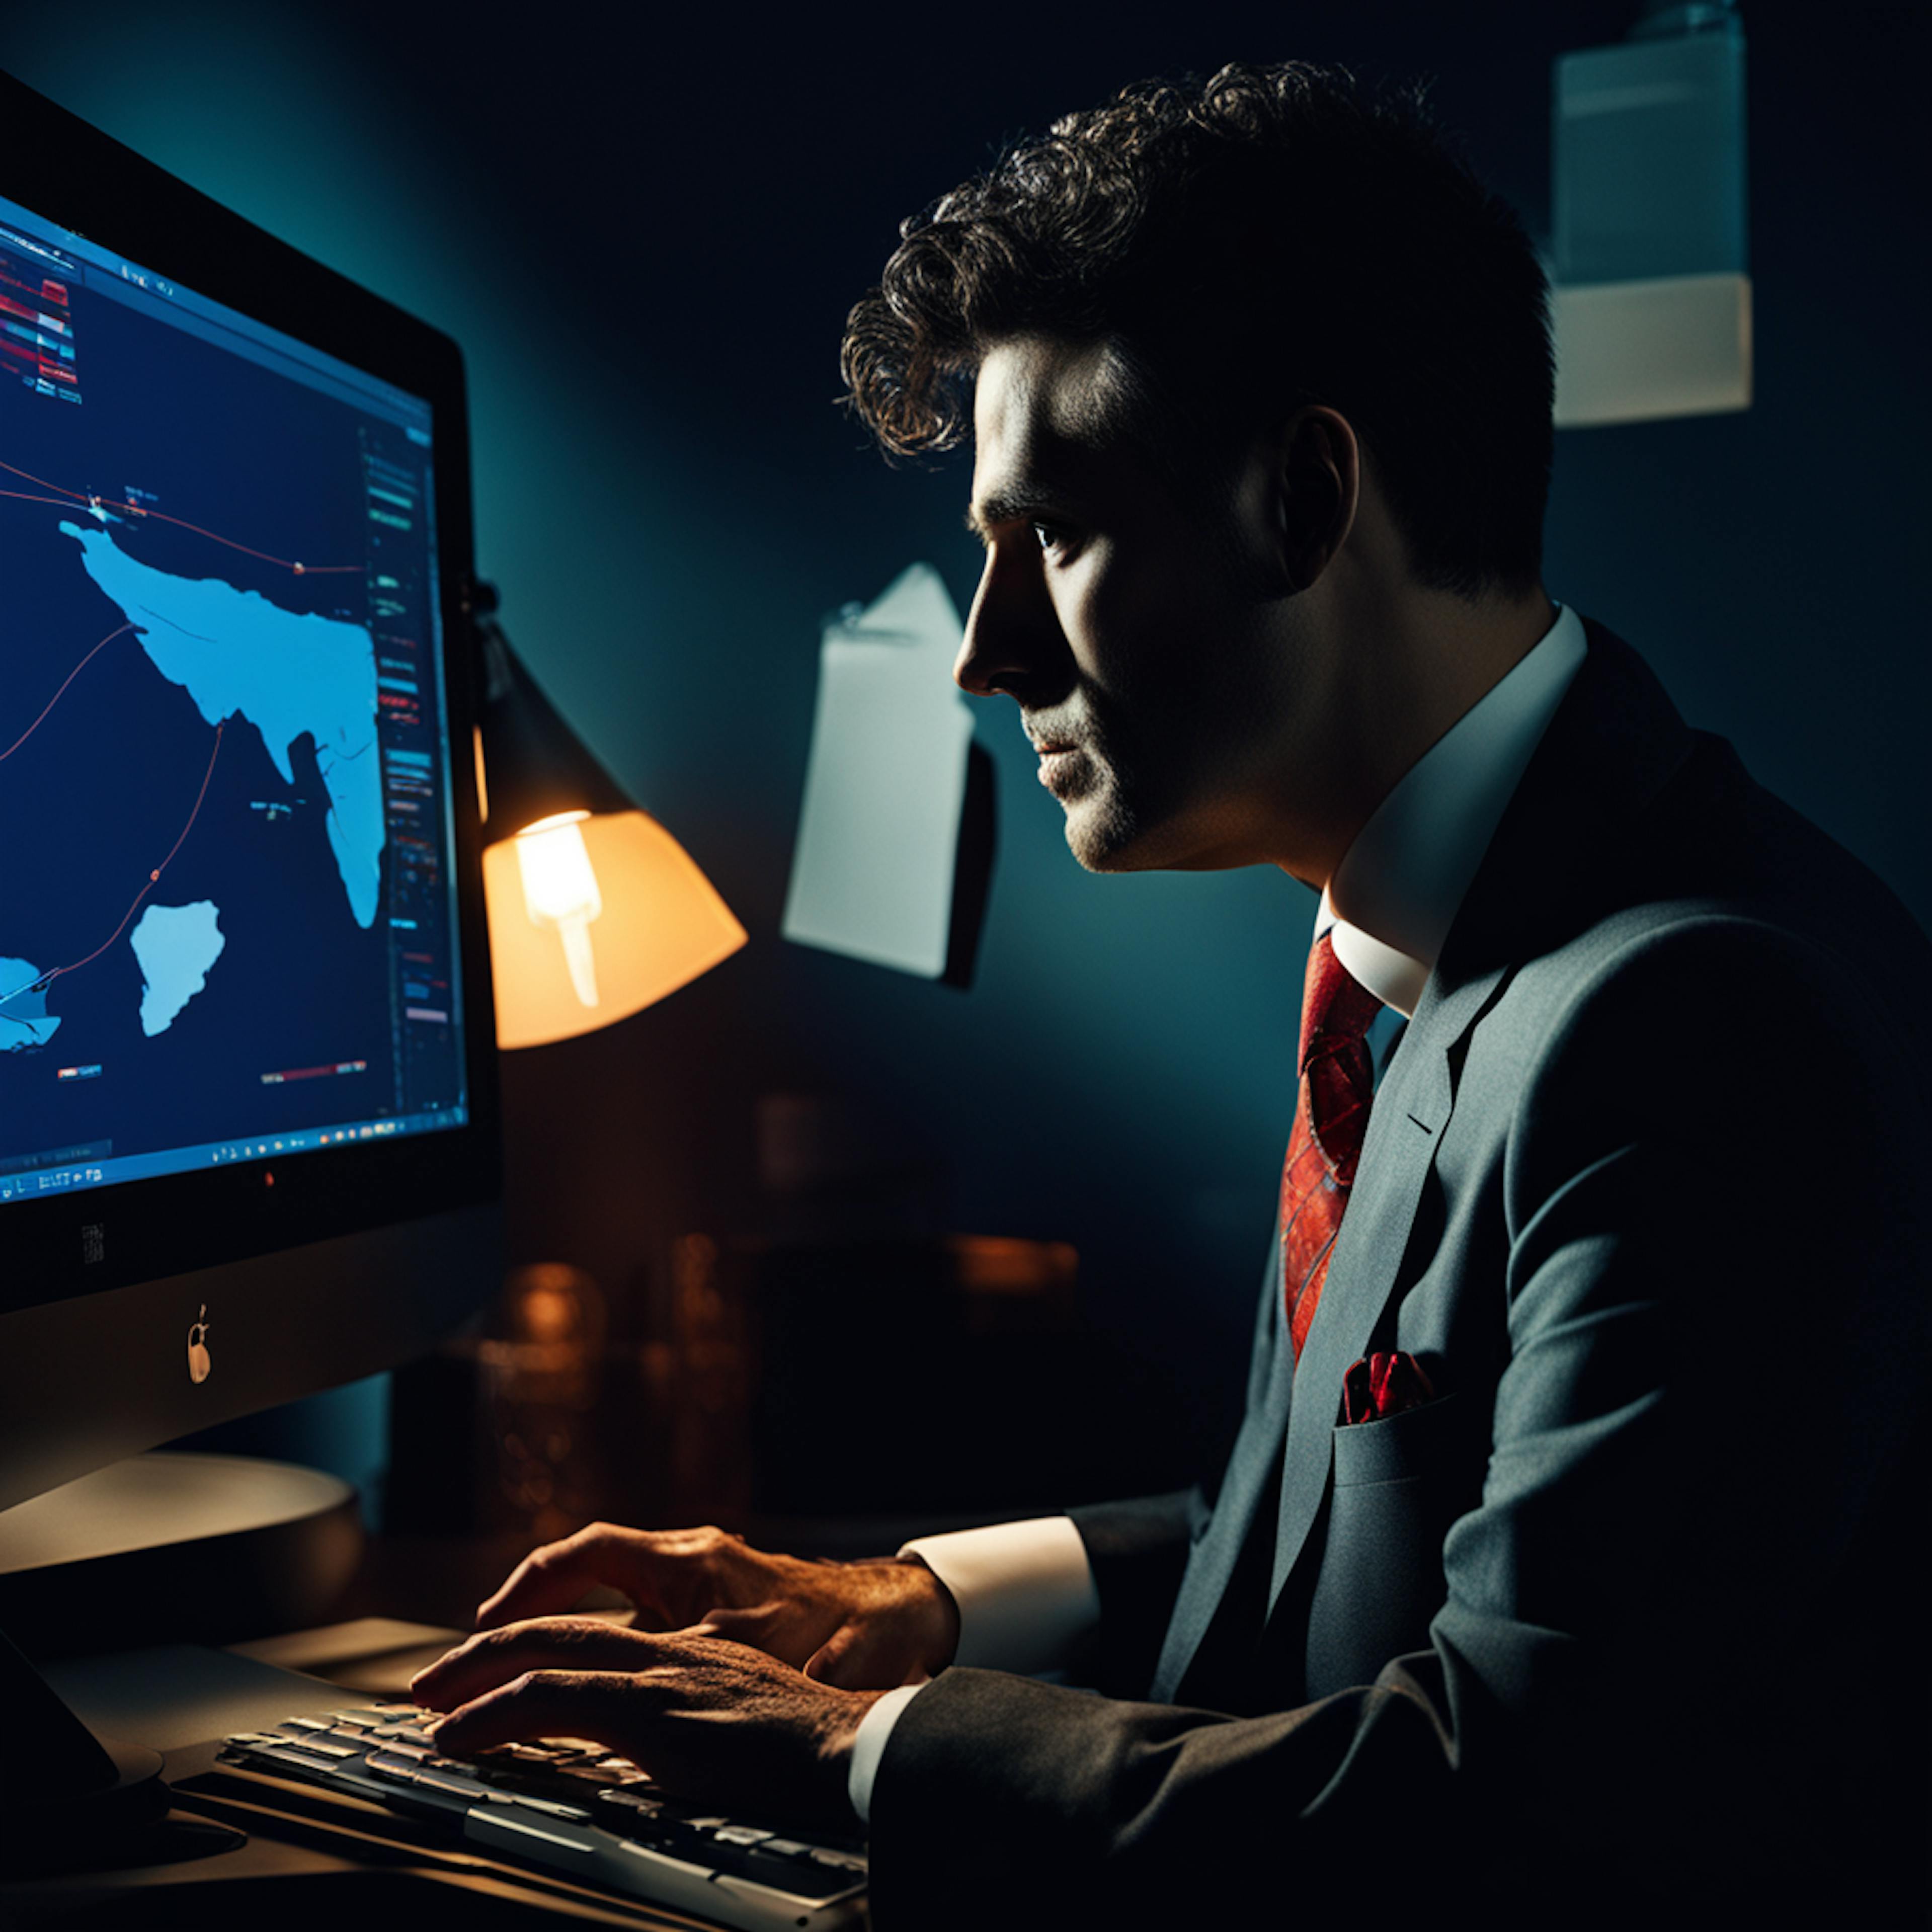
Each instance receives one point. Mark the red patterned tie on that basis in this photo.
(1331, 1114)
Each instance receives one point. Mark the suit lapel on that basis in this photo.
(1250, 1484)
(1411, 1109)
(1614, 742)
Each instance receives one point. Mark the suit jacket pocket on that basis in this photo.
(1398, 1485)
(1394, 1450)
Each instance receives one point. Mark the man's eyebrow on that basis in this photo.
(1014, 504)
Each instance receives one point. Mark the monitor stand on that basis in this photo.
(164, 1547)
(175, 1547)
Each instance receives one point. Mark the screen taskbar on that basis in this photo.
(31, 1176)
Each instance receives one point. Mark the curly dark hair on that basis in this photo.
(1273, 237)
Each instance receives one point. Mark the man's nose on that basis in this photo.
(1009, 640)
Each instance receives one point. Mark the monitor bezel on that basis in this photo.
(93, 1239)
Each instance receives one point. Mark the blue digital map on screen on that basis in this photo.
(284, 673)
(224, 854)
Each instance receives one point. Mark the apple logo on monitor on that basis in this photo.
(199, 1360)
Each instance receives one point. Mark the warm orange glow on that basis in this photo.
(632, 919)
(998, 1264)
(560, 893)
(482, 777)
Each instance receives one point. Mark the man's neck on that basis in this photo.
(1436, 656)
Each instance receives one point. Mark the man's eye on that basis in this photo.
(1049, 536)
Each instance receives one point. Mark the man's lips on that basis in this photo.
(1058, 760)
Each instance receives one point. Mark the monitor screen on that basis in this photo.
(249, 1143)
(229, 925)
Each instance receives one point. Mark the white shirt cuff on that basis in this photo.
(1025, 1592)
(869, 1746)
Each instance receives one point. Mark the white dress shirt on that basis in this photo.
(1025, 1590)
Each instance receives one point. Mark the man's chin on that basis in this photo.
(1093, 861)
(1102, 839)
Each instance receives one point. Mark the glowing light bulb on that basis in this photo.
(660, 923)
(560, 892)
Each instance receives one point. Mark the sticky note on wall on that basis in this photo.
(1651, 307)
(879, 838)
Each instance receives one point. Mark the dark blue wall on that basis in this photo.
(646, 240)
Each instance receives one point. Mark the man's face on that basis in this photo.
(1153, 678)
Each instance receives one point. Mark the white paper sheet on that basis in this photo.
(878, 838)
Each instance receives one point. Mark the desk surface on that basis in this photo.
(412, 1596)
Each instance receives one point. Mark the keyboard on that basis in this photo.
(573, 1808)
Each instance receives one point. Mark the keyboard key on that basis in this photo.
(294, 1754)
(631, 1798)
(845, 1862)
(455, 1787)
(797, 1878)
(743, 1835)
(306, 1741)
(669, 1835)
(551, 1808)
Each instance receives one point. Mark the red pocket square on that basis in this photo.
(1384, 1385)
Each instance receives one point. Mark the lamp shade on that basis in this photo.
(658, 921)
(594, 909)
(531, 765)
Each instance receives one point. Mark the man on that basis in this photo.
(1554, 1570)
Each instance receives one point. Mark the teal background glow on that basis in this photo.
(645, 239)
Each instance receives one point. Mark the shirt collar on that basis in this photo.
(1403, 878)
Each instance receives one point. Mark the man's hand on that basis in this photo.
(713, 1721)
(861, 1626)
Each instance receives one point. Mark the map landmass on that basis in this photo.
(285, 672)
(175, 945)
(24, 1021)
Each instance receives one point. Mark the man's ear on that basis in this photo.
(1317, 486)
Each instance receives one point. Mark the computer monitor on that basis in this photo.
(248, 1127)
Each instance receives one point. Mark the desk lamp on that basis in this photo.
(595, 910)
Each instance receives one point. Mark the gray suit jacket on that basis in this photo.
(1614, 1622)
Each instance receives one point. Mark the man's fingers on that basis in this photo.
(660, 1570)
(589, 1704)
(822, 1666)
(777, 1629)
(850, 1659)
(706, 1718)
(552, 1579)
(495, 1657)
(738, 1625)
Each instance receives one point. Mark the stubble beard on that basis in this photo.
(1129, 814)
(1108, 821)
(1133, 813)
(1100, 830)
